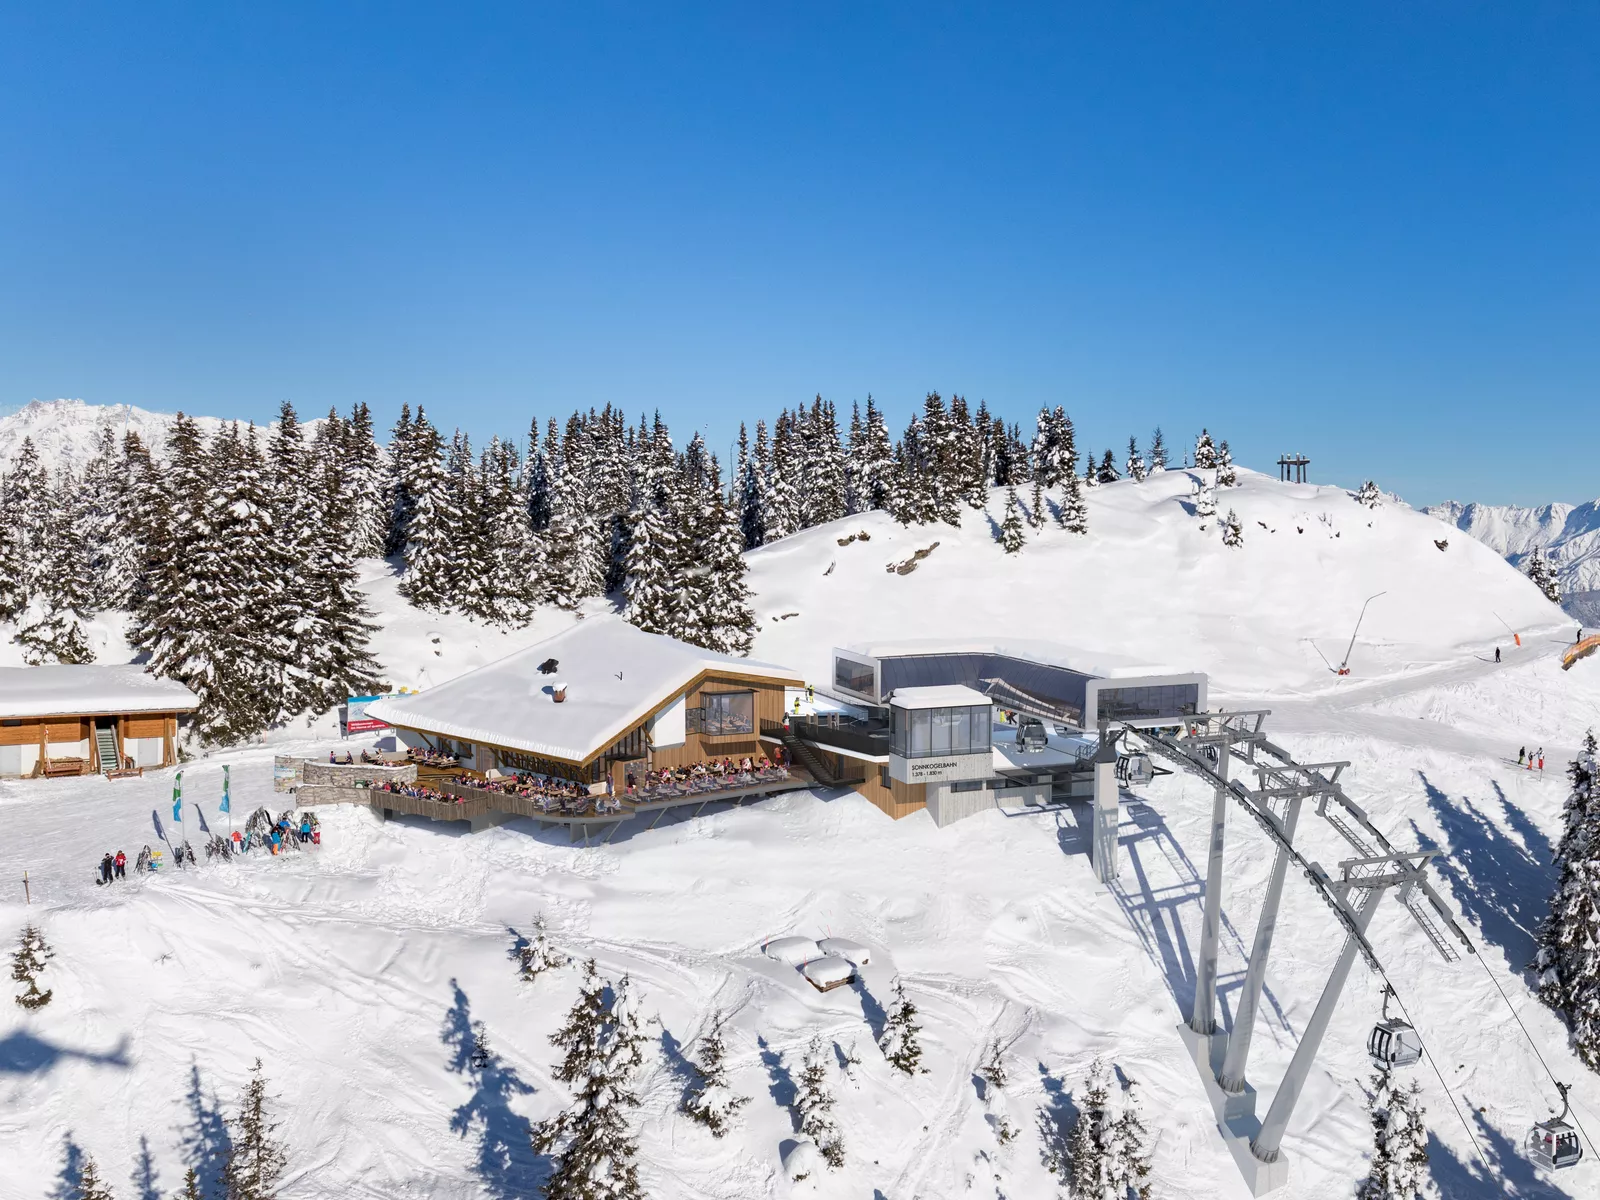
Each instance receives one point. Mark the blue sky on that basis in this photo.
(1367, 232)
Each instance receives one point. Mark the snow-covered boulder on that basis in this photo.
(852, 952)
(802, 1160)
(792, 951)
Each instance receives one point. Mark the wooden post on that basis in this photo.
(27, 895)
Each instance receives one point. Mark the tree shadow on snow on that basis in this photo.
(22, 1053)
(678, 1064)
(205, 1142)
(1057, 1115)
(1500, 882)
(144, 1173)
(877, 1019)
(1510, 1175)
(506, 1162)
(782, 1086)
(69, 1180)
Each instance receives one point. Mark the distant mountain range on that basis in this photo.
(1568, 533)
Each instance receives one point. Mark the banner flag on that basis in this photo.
(200, 812)
(161, 834)
(177, 797)
(226, 806)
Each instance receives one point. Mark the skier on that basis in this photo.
(106, 866)
(305, 828)
(1521, 754)
(1497, 654)
(122, 865)
(1541, 760)
(238, 842)
(277, 839)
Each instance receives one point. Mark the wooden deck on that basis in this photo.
(482, 808)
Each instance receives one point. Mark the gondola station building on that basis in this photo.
(88, 720)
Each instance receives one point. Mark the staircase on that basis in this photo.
(105, 742)
(814, 764)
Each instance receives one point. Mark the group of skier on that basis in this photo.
(1527, 760)
(113, 867)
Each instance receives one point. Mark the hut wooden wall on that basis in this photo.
(898, 799)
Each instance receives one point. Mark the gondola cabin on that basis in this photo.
(1554, 1144)
(1394, 1044)
(88, 720)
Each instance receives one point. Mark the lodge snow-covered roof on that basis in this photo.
(616, 675)
(90, 688)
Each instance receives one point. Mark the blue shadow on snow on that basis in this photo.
(506, 1161)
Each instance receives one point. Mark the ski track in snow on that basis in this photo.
(353, 970)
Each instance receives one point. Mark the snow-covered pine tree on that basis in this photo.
(1044, 450)
(398, 501)
(1542, 576)
(1399, 1168)
(1091, 470)
(945, 472)
(729, 624)
(31, 956)
(751, 487)
(1135, 467)
(911, 494)
(589, 1141)
(1568, 958)
(1105, 1156)
(1132, 1149)
(292, 503)
(1227, 474)
(873, 460)
(1108, 468)
(90, 1185)
(191, 1186)
(901, 1040)
(1036, 504)
(1232, 530)
(1205, 501)
(824, 479)
(1368, 494)
(65, 585)
(972, 461)
(340, 662)
(993, 1074)
(1205, 451)
(572, 569)
(364, 479)
(1011, 537)
(536, 955)
(781, 503)
(536, 476)
(813, 1101)
(711, 1100)
(1158, 452)
(25, 503)
(257, 1156)
(655, 545)
(107, 543)
(13, 591)
(431, 524)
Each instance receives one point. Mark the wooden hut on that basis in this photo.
(85, 720)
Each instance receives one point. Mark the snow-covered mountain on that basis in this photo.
(67, 432)
(1568, 533)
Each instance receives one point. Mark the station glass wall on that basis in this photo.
(928, 732)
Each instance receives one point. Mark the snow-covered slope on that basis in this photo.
(1568, 533)
(356, 974)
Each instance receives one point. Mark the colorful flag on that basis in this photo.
(177, 797)
(161, 834)
(226, 806)
(199, 812)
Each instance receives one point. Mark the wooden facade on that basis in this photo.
(65, 744)
(896, 799)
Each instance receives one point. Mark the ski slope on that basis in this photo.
(356, 973)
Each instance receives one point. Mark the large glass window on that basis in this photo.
(918, 733)
(1169, 701)
(854, 676)
(727, 713)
